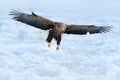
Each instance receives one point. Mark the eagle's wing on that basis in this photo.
(32, 19)
(83, 29)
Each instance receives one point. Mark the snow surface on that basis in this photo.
(24, 54)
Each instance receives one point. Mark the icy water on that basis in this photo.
(24, 54)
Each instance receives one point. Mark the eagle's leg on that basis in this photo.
(58, 39)
(49, 38)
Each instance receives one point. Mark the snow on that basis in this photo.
(24, 54)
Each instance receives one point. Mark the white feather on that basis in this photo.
(44, 34)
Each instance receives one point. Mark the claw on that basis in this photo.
(57, 48)
(49, 45)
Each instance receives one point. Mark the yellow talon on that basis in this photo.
(48, 44)
(57, 48)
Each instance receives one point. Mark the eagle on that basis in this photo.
(56, 29)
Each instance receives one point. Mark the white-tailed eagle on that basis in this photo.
(56, 29)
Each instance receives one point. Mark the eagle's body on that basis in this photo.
(56, 29)
(59, 29)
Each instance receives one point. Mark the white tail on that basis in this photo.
(44, 33)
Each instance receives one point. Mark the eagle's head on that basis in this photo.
(60, 26)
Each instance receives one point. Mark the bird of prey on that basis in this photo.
(56, 29)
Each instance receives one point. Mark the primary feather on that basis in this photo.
(84, 29)
(32, 19)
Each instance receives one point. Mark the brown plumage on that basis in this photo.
(56, 29)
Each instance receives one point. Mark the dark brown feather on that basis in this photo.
(33, 20)
(84, 29)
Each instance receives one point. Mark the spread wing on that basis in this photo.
(83, 29)
(32, 19)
